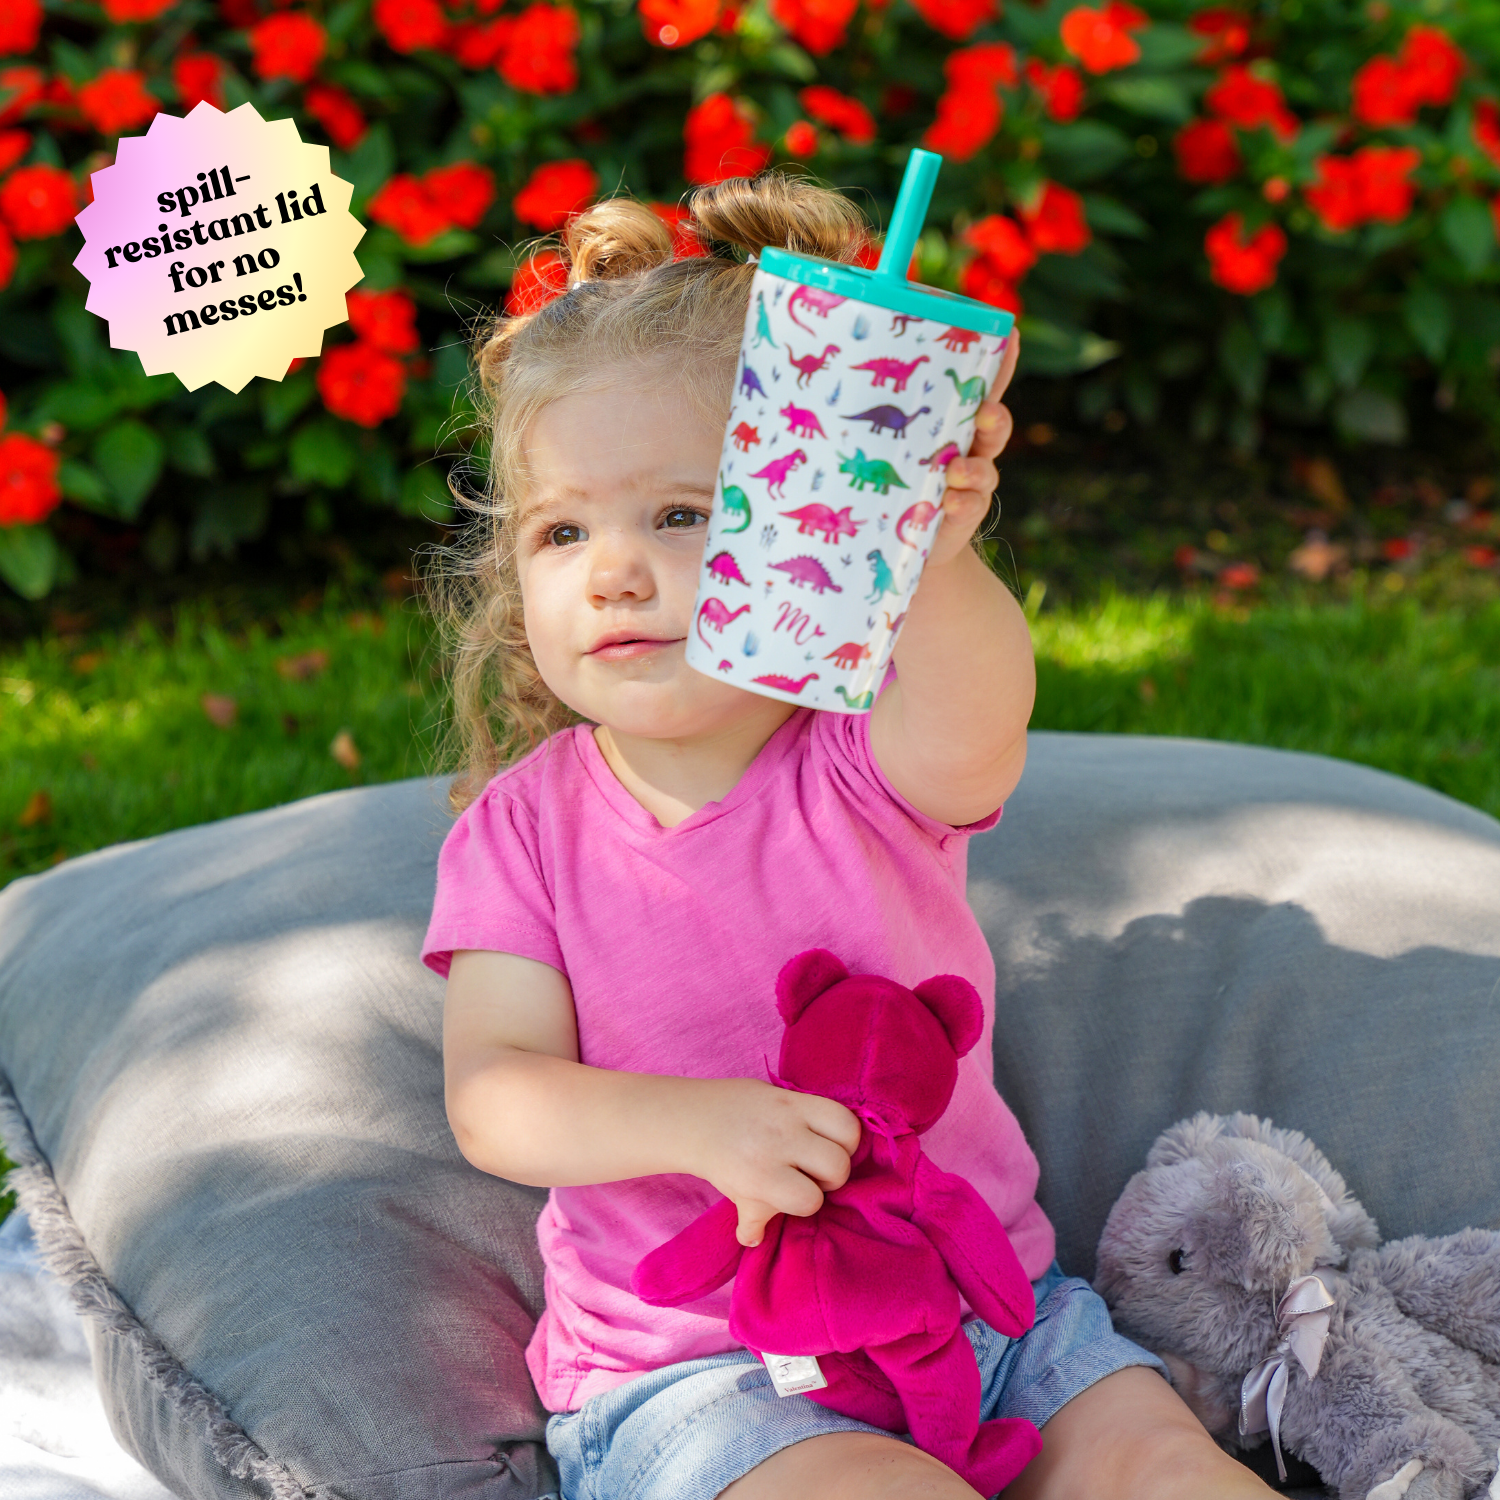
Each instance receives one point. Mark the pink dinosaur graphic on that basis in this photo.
(919, 516)
(801, 422)
(745, 437)
(832, 524)
(849, 655)
(775, 473)
(820, 302)
(803, 570)
(960, 340)
(723, 567)
(786, 684)
(716, 613)
(943, 457)
(726, 666)
(810, 364)
(893, 625)
(897, 370)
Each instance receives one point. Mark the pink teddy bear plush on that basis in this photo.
(870, 1284)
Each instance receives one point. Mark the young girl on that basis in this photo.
(612, 909)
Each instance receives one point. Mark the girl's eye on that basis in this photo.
(682, 518)
(565, 535)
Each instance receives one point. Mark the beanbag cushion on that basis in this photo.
(222, 1081)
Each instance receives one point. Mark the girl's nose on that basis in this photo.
(619, 567)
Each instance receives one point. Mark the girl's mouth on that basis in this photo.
(627, 650)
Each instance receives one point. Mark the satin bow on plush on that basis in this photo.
(1302, 1320)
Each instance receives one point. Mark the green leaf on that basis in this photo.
(1272, 311)
(129, 456)
(322, 453)
(1243, 361)
(1469, 229)
(1166, 46)
(228, 517)
(1084, 150)
(1109, 216)
(1048, 349)
(81, 335)
(425, 493)
(791, 62)
(1152, 95)
(1142, 393)
(1429, 319)
(448, 245)
(282, 401)
(368, 164)
(191, 452)
(81, 405)
(29, 559)
(83, 486)
(1348, 344)
(1370, 417)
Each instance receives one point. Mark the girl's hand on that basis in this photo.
(772, 1151)
(972, 480)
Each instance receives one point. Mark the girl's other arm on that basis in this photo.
(522, 1106)
(950, 731)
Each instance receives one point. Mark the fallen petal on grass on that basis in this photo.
(344, 750)
(37, 810)
(221, 710)
(299, 668)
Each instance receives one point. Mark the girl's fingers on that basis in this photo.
(993, 425)
(1007, 365)
(976, 474)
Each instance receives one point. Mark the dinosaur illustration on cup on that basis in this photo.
(968, 390)
(750, 383)
(816, 519)
(785, 684)
(897, 370)
(807, 570)
(881, 417)
(872, 471)
(762, 324)
(820, 302)
(745, 437)
(723, 567)
(808, 365)
(959, 340)
(735, 502)
(849, 655)
(775, 473)
(865, 700)
(893, 625)
(943, 457)
(883, 581)
(801, 422)
(900, 322)
(716, 614)
(918, 516)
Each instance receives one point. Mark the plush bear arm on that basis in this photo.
(694, 1262)
(975, 1247)
(1450, 1285)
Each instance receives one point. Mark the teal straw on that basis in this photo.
(910, 214)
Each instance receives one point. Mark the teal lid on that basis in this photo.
(887, 286)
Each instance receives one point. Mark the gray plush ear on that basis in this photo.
(1185, 1140)
(1349, 1224)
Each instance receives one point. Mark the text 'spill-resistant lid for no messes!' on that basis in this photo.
(886, 286)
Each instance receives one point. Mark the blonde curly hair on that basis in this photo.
(629, 304)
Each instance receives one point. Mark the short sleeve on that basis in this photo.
(491, 891)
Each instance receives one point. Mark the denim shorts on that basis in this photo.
(687, 1431)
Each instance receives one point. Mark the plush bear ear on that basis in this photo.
(803, 979)
(1185, 1140)
(955, 1002)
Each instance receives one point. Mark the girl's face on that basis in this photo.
(609, 540)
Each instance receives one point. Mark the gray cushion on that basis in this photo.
(222, 1044)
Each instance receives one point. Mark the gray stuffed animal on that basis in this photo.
(1240, 1256)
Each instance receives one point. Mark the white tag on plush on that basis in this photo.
(1399, 1482)
(792, 1374)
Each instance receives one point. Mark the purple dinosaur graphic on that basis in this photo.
(821, 303)
(723, 567)
(898, 370)
(717, 614)
(943, 457)
(801, 422)
(832, 524)
(881, 417)
(806, 570)
(786, 684)
(776, 471)
(750, 383)
(809, 364)
(920, 516)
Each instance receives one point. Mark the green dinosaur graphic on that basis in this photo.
(884, 581)
(762, 325)
(736, 503)
(863, 701)
(873, 471)
(968, 390)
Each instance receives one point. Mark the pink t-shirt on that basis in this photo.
(671, 939)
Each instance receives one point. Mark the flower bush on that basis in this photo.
(1207, 216)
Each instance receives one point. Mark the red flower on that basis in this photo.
(1374, 183)
(720, 137)
(117, 100)
(462, 193)
(1227, 33)
(1337, 197)
(848, 116)
(1383, 94)
(21, 87)
(966, 120)
(538, 53)
(1432, 63)
(38, 202)
(361, 383)
(685, 243)
(403, 204)
(334, 109)
(1240, 98)
(14, 144)
(1000, 241)
(1397, 549)
(1481, 556)
(1239, 575)
(478, 46)
(981, 281)
(1100, 39)
(1061, 88)
(555, 192)
(410, 25)
(1206, 151)
(958, 19)
(1054, 223)
(675, 23)
(384, 320)
(982, 66)
(20, 26)
(8, 257)
(801, 140)
(28, 480)
(819, 25)
(1487, 129)
(289, 45)
(536, 282)
(241, 14)
(1241, 265)
(136, 10)
(198, 76)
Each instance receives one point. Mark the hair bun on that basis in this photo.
(787, 212)
(618, 237)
